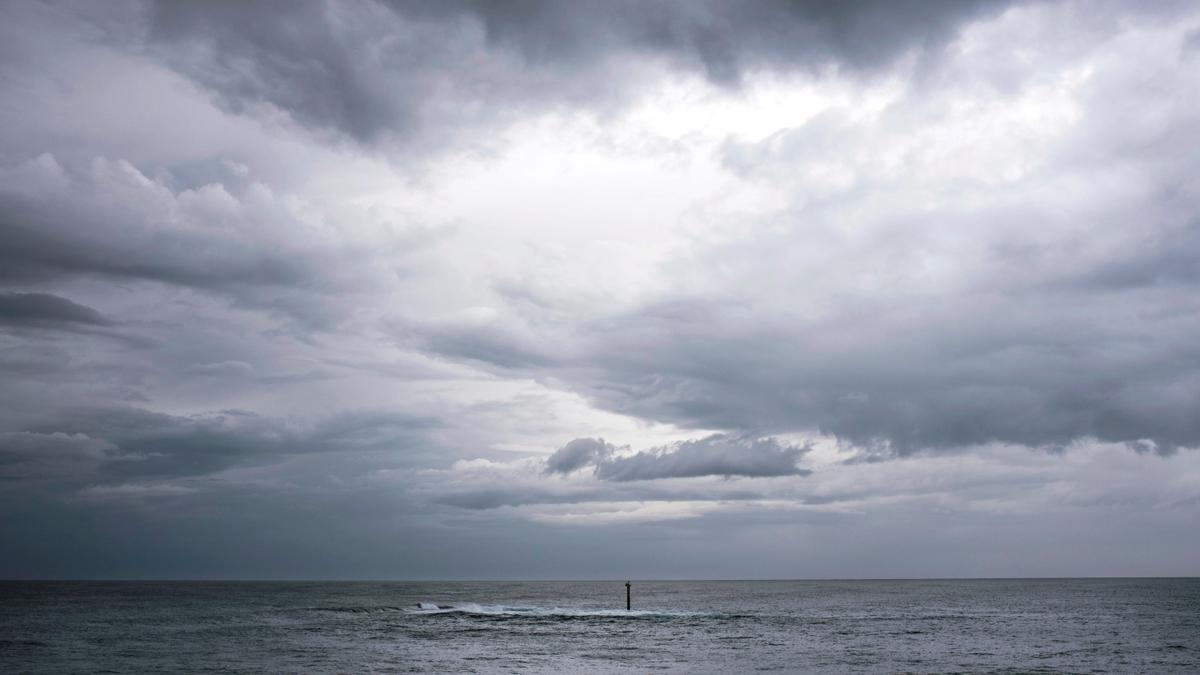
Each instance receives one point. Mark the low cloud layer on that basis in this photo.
(128, 443)
(46, 309)
(715, 455)
(578, 454)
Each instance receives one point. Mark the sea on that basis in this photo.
(926, 626)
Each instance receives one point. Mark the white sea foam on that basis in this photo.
(507, 610)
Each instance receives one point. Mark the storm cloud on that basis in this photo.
(782, 289)
(1008, 310)
(417, 71)
(105, 218)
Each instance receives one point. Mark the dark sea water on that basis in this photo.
(1061, 625)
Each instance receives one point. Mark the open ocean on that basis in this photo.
(1042, 625)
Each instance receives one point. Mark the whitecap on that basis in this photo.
(571, 612)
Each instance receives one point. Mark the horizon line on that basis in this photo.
(606, 580)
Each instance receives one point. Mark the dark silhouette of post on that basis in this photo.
(627, 596)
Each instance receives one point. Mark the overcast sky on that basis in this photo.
(612, 289)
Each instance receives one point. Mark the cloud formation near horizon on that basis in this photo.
(46, 309)
(715, 455)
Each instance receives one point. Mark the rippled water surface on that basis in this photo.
(1071, 625)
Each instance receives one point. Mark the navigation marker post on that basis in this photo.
(626, 596)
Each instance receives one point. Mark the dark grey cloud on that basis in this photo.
(715, 455)
(577, 454)
(1037, 370)
(1168, 256)
(421, 71)
(726, 39)
(34, 456)
(106, 220)
(134, 444)
(64, 223)
(1191, 44)
(42, 309)
(491, 343)
(525, 495)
